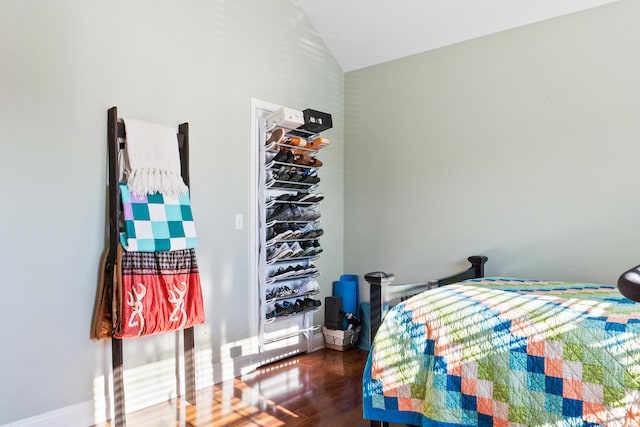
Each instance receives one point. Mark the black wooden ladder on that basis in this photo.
(116, 130)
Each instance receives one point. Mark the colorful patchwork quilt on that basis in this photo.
(507, 352)
(157, 222)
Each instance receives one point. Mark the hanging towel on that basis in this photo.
(101, 323)
(156, 292)
(157, 222)
(152, 158)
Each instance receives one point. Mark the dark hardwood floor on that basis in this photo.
(323, 388)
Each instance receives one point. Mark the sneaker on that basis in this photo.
(309, 249)
(310, 214)
(298, 270)
(280, 252)
(311, 179)
(296, 250)
(312, 233)
(277, 274)
(270, 234)
(283, 308)
(295, 177)
(298, 306)
(309, 288)
(281, 227)
(283, 214)
(309, 304)
(310, 269)
(271, 295)
(284, 156)
(352, 320)
(280, 156)
(318, 197)
(284, 197)
(296, 213)
(269, 156)
(309, 198)
(283, 273)
(276, 212)
(282, 175)
(279, 237)
(298, 233)
(270, 314)
(285, 292)
(270, 252)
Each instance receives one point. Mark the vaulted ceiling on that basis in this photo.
(361, 33)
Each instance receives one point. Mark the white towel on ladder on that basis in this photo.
(152, 159)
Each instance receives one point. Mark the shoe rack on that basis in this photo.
(289, 236)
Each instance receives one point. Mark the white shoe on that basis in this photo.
(310, 269)
(309, 288)
(296, 250)
(280, 252)
(296, 234)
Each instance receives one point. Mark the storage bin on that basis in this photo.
(336, 339)
(285, 117)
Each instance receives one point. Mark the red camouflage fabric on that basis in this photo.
(156, 292)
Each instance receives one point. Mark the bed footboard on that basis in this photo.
(381, 288)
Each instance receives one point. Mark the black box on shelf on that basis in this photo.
(316, 121)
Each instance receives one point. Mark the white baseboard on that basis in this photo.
(79, 415)
(318, 342)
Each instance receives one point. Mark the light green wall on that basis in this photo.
(64, 63)
(522, 146)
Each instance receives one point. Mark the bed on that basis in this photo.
(496, 351)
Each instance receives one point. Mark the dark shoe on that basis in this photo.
(284, 308)
(308, 197)
(285, 215)
(272, 295)
(281, 156)
(298, 306)
(310, 269)
(296, 213)
(310, 179)
(285, 197)
(295, 177)
(310, 214)
(312, 234)
(309, 303)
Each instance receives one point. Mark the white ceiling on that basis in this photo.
(361, 33)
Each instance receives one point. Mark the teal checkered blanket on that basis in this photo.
(157, 222)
